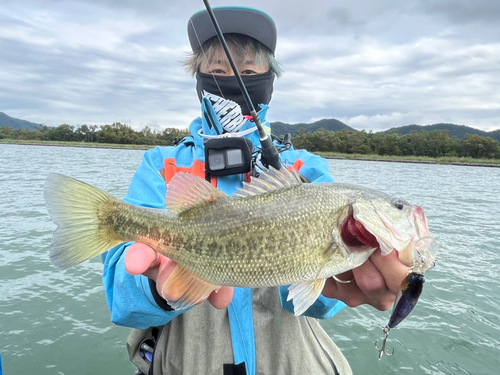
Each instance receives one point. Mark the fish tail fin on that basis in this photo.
(78, 208)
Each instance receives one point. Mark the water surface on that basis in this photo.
(455, 328)
(57, 322)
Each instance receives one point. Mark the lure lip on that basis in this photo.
(424, 253)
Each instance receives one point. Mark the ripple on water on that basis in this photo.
(49, 316)
(454, 329)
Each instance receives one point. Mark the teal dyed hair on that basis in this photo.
(242, 45)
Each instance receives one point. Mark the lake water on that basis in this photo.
(54, 322)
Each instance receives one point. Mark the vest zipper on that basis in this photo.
(335, 371)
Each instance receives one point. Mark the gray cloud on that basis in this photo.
(372, 64)
(463, 11)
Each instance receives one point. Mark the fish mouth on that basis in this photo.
(356, 236)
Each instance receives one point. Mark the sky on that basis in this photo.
(372, 64)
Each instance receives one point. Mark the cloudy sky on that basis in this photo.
(373, 64)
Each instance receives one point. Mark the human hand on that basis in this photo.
(142, 259)
(376, 282)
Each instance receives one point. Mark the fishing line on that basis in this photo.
(269, 153)
(206, 58)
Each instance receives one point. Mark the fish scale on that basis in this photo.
(268, 251)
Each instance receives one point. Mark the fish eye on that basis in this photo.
(398, 203)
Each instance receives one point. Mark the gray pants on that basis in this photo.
(199, 342)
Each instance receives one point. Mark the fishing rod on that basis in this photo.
(269, 153)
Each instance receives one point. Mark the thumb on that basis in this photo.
(142, 259)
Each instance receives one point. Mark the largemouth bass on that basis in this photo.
(273, 231)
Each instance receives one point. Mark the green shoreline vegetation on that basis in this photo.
(434, 147)
(447, 160)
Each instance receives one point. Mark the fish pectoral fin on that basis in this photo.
(304, 294)
(183, 289)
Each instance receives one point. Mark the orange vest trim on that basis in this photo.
(297, 165)
(248, 177)
(170, 169)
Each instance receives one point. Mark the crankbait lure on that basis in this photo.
(424, 252)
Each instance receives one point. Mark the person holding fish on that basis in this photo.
(242, 266)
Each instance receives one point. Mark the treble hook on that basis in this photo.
(382, 351)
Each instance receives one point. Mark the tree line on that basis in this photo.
(114, 133)
(436, 143)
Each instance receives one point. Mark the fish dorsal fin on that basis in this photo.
(186, 191)
(270, 181)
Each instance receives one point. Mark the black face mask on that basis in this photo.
(259, 87)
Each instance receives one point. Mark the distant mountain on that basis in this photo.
(16, 123)
(458, 131)
(495, 135)
(281, 128)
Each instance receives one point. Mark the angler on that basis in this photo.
(239, 330)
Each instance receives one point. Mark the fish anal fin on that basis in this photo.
(184, 289)
(186, 191)
(304, 294)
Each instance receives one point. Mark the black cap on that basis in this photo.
(235, 20)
